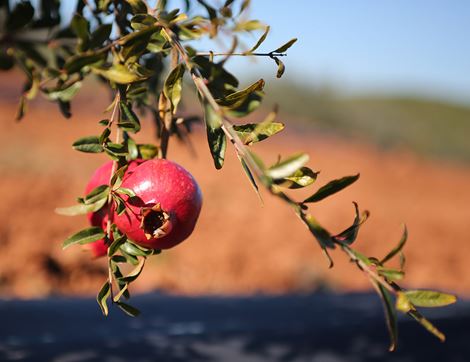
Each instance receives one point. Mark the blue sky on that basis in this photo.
(400, 46)
(368, 46)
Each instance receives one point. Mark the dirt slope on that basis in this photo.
(239, 246)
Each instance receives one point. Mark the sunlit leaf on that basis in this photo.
(429, 298)
(118, 73)
(286, 46)
(390, 314)
(303, 177)
(287, 167)
(255, 132)
(173, 86)
(260, 41)
(81, 209)
(281, 68)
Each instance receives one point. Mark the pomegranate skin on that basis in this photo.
(167, 187)
(100, 218)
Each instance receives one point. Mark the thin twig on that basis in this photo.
(243, 54)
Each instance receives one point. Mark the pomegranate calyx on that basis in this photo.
(155, 222)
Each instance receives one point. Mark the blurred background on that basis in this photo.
(380, 88)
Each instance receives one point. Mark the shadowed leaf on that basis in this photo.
(398, 248)
(84, 236)
(331, 188)
(89, 144)
(286, 46)
(173, 86)
(102, 298)
(255, 132)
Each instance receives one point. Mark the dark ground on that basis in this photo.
(320, 327)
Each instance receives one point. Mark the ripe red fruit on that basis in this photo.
(166, 206)
(100, 218)
(164, 211)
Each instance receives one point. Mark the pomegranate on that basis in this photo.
(100, 218)
(164, 211)
(166, 206)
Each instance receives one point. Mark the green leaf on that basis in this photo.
(132, 148)
(259, 42)
(89, 144)
(102, 297)
(81, 209)
(134, 250)
(427, 325)
(126, 191)
(97, 194)
(281, 68)
(21, 15)
(429, 298)
(249, 25)
(129, 121)
(75, 63)
(100, 35)
(118, 73)
(116, 244)
(255, 132)
(173, 86)
(84, 236)
(215, 135)
(402, 303)
(398, 248)
(286, 46)
(250, 176)
(134, 274)
(321, 234)
(349, 235)
(64, 94)
(236, 99)
(147, 151)
(303, 177)
(138, 6)
(124, 288)
(287, 167)
(390, 314)
(331, 188)
(128, 309)
(80, 27)
(390, 274)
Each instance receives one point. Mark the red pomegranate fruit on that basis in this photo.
(164, 211)
(166, 207)
(100, 218)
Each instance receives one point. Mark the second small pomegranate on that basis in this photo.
(166, 207)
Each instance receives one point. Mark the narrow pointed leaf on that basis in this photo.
(255, 132)
(89, 144)
(321, 234)
(128, 309)
(77, 62)
(129, 121)
(286, 46)
(281, 68)
(134, 274)
(236, 99)
(349, 235)
(331, 188)
(118, 73)
(84, 236)
(215, 136)
(173, 86)
(390, 274)
(427, 325)
(102, 298)
(390, 314)
(260, 41)
(303, 177)
(398, 248)
(288, 166)
(81, 209)
(429, 298)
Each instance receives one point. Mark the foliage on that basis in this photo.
(142, 53)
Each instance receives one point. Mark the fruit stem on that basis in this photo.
(116, 114)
